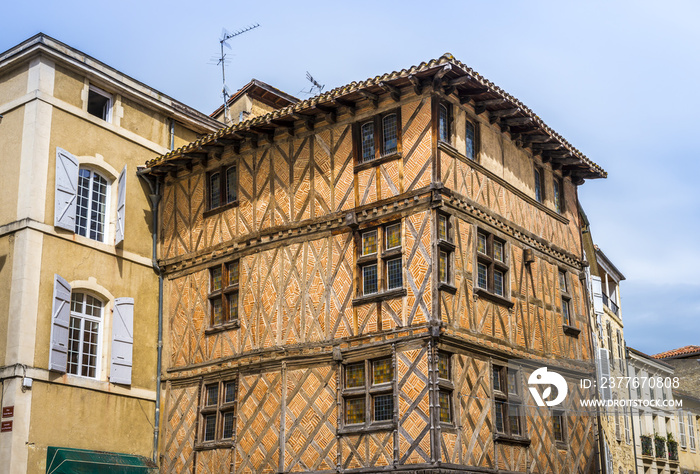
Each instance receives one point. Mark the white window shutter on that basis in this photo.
(597, 288)
(60, 321)
(66, 190)
(122, 341)
(121, 206)
(604, 370)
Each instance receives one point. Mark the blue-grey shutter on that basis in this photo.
(122, 341)
(121, 206)
(66, 190)
(604, 370)
(597, 288)
(60, 320)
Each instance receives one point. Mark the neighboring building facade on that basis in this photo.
(604, 278)
(656, 428)
(78, 293)
(349, 277)
(686, 368)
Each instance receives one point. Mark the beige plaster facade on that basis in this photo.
(45, 89)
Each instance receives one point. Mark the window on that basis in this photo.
(443, 113)
(559, 195)
(691, 430)
(610, 346)
(628, 433)
(378, 137)
(381, 271)
(223, 293)
(99, 103)
(91, 205)
(539, 184)
(492, 268)
(681, 429)
(446, 387)
(84, 335)
(559, 426)
(222, 187)
(565, 298)
(368, 392)
(508, 402)
(445, 249)
(218, 411)
(470, 140)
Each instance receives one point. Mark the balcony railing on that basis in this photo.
(611, 305)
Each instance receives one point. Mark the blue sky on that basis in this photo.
(619, 80)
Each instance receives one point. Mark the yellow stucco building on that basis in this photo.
(78, 291)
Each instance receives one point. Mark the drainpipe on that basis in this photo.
(155, 200)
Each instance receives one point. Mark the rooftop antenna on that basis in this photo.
(225, 36)
(314, 85)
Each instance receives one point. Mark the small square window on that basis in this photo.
(482, 280)
(383, 407)
(393, 236)
(355, 375)
(498, 251)
(394, 274)
(369, 279)
(369, 242)
(354, 410)
(99, 104)
(382, 371)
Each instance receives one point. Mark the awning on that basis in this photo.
(69, 460)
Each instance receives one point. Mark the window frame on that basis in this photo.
(91, 203)
(83, 317)
(475, 139)
(558, 195)
(565, 298)
(380, 258)
(491, 264)
(369, 391)
(538, 176)
(106, 115)
(224, 293)
(446, 387)
(449, 117)
(220, 410)
(446, 247)
(378, 139)
(224, 202)
(507, 399)
(561, 414)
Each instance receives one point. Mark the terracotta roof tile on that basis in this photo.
(678, 353)
(457, 66)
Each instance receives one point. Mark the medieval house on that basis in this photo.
(349, 279)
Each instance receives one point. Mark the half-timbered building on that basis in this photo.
(350, 278)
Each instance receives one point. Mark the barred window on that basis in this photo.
(380, 259)
(492, 264)
(368, 392)
(223, 293)
(507, 401)
(217, 411)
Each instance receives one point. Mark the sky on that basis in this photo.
(617, 79)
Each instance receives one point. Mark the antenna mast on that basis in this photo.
(225, 36)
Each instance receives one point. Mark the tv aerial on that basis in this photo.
(225, 36)
(315, 86)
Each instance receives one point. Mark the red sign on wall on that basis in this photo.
(8, 412)
(5, 426)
